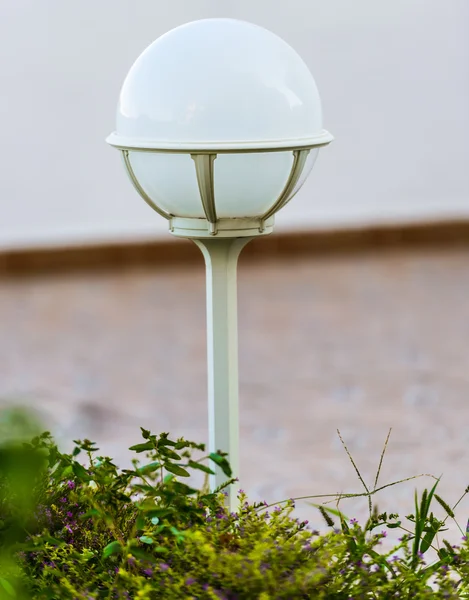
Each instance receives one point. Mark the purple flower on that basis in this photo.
(148, 572)
(71, 485)
(190, 581)
(164, 566)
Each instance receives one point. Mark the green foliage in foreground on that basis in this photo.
(82, 529)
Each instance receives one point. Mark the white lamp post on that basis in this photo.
(219, 124)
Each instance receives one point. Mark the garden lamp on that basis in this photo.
(219, 124)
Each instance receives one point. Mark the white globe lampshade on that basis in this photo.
(220, 123)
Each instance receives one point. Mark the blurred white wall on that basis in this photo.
(393, 76)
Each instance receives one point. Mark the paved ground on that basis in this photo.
(360, 343)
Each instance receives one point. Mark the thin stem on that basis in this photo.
(370, 508)
(264, 507)
(466, 491)
(381, 458)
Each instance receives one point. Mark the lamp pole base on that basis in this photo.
(221, 259)
(223, 228)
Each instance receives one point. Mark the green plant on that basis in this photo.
(84, 529)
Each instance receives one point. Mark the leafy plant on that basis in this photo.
(74, 526)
